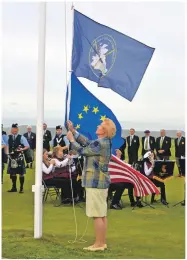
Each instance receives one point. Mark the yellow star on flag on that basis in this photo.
(103, 118)
(86, 109)
(80, 116)
(78, 126)
(95, 110)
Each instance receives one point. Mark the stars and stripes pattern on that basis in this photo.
(123, 172)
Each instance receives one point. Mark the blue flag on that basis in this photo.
(87, 112)
(108, 57)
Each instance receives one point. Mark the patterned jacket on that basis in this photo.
(97, 156)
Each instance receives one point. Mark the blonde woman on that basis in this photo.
(95, 178)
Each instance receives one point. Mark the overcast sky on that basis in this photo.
(160, 100)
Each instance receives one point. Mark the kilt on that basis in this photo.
(16, 165)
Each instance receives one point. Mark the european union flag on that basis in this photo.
(108, 57)
(87, 112)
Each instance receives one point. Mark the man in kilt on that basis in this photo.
(17, 144)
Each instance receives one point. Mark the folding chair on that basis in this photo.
(52, 191)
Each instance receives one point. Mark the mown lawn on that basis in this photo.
(139, 233)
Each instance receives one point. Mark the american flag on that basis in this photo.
(123, 172)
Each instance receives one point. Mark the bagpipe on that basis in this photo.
(163, 170)
(16, 159)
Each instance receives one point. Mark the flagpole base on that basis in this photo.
(38, 210)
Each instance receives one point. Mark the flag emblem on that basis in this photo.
(102, 55)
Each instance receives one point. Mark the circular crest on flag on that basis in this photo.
(102, 55)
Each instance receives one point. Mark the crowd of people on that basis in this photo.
(57, 161)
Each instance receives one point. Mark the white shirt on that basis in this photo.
(47, 170)
(147, 170)
(131, 138)
(60, 164)
(148, 145)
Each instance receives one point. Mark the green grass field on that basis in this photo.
(140, 233)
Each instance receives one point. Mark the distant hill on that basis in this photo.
(125, 132)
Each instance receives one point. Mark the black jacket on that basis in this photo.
(31, 140)
(14, 144)
(151, 144)
(59, 141)
(166, 146)
(122, 149)
(46, 139)
(180, 149)
(133, 149)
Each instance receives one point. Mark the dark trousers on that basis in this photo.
(46, 146)
(133, 158)
(178, 165)
(119, 189)
(29, 156)
(13, 177)
(65, 186)
(160, 185)
(2, 169)
(80, 190)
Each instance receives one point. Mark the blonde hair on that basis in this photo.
(109, 127)
(56, 149)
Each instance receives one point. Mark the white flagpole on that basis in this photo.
(70, 71)
(38, 188)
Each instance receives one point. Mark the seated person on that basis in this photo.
(149, 159)
(119, 189)
(49, 175)
(48, 167)
(64, 164)
(79, 161)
